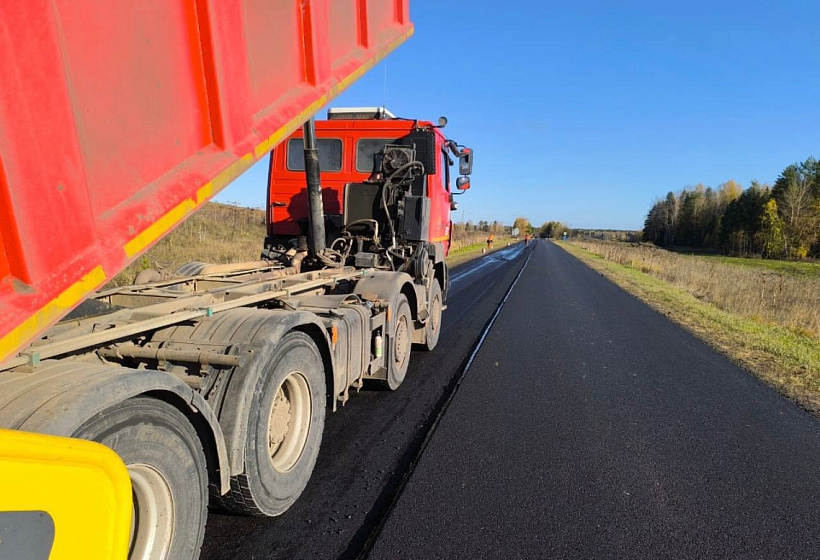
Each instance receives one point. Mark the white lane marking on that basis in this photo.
(498, 258)
(436, 421)
(492, 321)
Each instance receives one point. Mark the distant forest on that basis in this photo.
(776, 222)
(622, 235)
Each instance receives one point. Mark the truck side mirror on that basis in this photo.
(463, 183)
(465, 162)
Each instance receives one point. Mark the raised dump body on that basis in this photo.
(119, 119)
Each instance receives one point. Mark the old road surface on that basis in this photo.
(558, 418)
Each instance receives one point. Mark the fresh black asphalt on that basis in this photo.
(369, 444)
(590, 426)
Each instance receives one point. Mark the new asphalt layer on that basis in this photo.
(370, 444)
(589, 426)
(586, 426)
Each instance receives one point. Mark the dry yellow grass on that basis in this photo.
(462, 240)
(217, 233)
(755, 293)
(221, 233)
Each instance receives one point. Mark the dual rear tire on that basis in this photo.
(433, 326)
(399, 342)
(285, 423)
(169, 478)
(286, 416)
(167, 464)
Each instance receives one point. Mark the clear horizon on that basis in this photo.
(587, 113)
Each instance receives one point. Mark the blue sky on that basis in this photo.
(585, 112)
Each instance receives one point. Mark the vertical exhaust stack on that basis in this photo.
(316, 216)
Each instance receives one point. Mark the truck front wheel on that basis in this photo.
(433, 326)
(286, 418)
(168, 473)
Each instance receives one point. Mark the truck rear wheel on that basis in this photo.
(285, 422)
(433, 327)
(168, 473)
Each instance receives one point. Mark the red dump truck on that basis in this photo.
(120, 119)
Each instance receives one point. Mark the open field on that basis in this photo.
(467, 241)
(221, 233)
(687, 290)
(793, 268)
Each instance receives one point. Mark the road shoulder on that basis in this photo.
(784, 359)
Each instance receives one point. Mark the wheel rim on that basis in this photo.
(435, 318)
(289, 422)
(152, 519)
(402, 345)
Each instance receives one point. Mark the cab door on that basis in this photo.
(439, 193)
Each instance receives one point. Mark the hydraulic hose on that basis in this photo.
(314, 189)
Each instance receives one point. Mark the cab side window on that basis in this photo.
(330, 154)
(445, 169)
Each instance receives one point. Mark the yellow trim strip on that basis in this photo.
(181, 210)
(283, 132)
(57, 307)
(159, 227)
(167, 222)
(440, 238)
(49, 312)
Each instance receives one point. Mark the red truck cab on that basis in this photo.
(348, 144)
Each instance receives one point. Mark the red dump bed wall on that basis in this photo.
(120, 118)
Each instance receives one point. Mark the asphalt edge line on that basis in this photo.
(485, 333)
(376, 531)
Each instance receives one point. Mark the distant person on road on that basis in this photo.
(527, 239)
(489, 241)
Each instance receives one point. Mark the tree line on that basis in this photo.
(550, 229)
(553, 230)
(779, 221)
(620, 235)
(482, 226)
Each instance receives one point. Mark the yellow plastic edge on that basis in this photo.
(83, 486)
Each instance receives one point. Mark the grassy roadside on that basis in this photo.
(792, 268)
(217, 233)
(786, 359)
